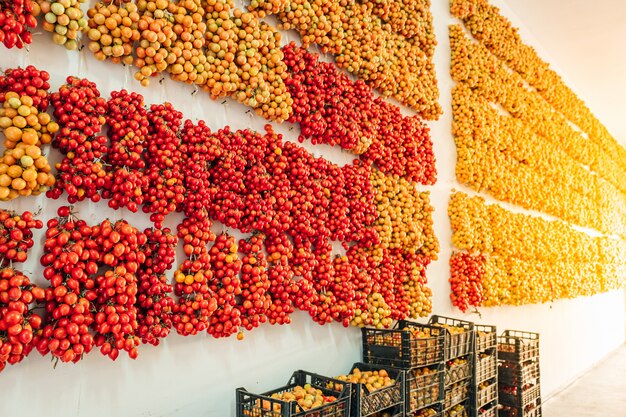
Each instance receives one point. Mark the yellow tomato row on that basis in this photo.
(473, 65)
(491, 229)
(495, 31)
(223, 50)
(530, 259)
(511, 281)
(502, 156)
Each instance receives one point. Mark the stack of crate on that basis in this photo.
(484, 391)
(459, 362)
(418, 350)
(519, 390)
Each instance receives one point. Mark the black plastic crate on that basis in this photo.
(485, 336)
(401, 347)
(485, 395)
(424, 388)
(517, 397)
(486, 368)
(263, 405)
(511, 373)
(531, 410)
(456, 372)
(366, 402)
(518, 346)
(456, 394)
(456, 344)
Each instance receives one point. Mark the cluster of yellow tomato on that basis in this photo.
(530, 259)
(393, 56)
(495, 31)
(112, 31)
(224, 50)
(404, 215)
(499, 154)
(421, 297)
(24, 169)
(63, 18)
(491, 229)
(377, 314)
(409, 18)
(407, 240)
(510, 281)
(475, 66)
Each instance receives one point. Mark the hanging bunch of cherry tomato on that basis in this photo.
(466, 280)
(333, 109)
(108, 285)
(19, 323)
(223, 50)
(18, 320)
(16, 235)
(16, 18)
(24, 168)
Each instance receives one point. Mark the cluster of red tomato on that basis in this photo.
(16, 17)
(18, 321)
(16, 235)
(79, 111)
(466, 278)
(27, 81)
(127, 122)
(333, 109)
(108, 287)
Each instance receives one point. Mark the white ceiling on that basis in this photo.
(584, 41)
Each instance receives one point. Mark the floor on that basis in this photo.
(600, 392)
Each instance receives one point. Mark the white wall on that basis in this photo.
(197, 376)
